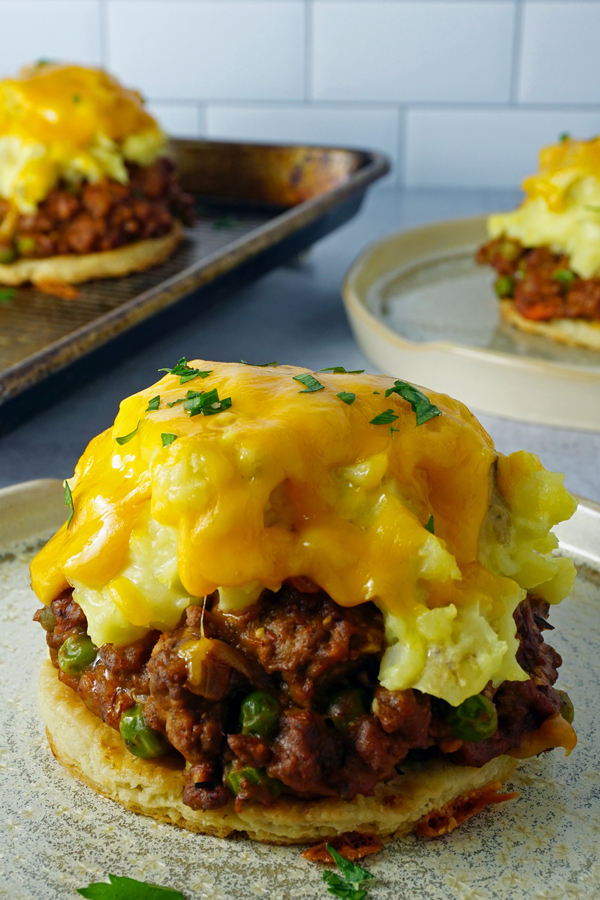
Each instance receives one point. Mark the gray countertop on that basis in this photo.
(294, 315)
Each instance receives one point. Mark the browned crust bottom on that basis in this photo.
(95, 754)
(74, 269)
(573, 332)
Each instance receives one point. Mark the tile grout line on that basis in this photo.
(102, 33)
(308, 50)
(515, 73)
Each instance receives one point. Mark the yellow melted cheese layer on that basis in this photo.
(562, 206)
(65, 121)
(287, 483)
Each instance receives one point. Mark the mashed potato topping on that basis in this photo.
(562, 205)
(287, 482)
(67, 122)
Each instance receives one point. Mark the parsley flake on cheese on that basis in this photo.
(420, 404)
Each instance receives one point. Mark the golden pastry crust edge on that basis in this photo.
(94, 753)
(573, 332)
(73, 269)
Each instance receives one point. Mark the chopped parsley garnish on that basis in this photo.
(7, 294)
(167, 438)
(153, 404)
(225, 222)
(347, 396)
(564, 136)
(340, 370)
(175, 402)
(122, 888)
(127, 437)
(385, 418)
(69, 501)
(420, 404)
(392, 430)
(429, 525)
(259, 365)
(207, 403)
(564, 277)
(377, 392)
(310, 382)
(76, 98)
(185, 372)
(351, 884)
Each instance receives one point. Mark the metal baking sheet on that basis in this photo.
(257, 206)
(57, 835)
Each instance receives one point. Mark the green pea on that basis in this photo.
(259, 714)
(474, 720)
(26, 246)
(47, 619)
(504, 286)
(565, 277)
(7, 254)
(256, 777)
(139, 738)
(346, 706)
(509, 250)
(76, 654)
(566, 707)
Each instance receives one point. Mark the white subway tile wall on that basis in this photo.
(455, 92)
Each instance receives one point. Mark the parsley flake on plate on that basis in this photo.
(153, 404)
(167, 438)
(7, 294)
(127, 437)
(347, 396)
(351, 884)
(69, 501)
(419, 403)
(122, 888)
(185, 372)
(310, 382)
(429, 525)
(385, 418)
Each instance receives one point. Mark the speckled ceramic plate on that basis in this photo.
(421, 309)
(57, 835)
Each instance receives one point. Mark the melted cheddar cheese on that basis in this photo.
(289, 483)
(67, 122)
(562, 206)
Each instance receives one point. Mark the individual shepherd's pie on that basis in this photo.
(547, 252)
(298, 603)
(86, 188)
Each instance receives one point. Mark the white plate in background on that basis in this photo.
(422, 310)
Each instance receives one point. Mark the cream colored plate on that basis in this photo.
(422, 310)
(57, 835)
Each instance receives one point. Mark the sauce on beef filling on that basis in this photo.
(302, 648)
(103, 216)
(541, 289)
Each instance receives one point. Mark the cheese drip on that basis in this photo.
(67, 122)
(562, 206)
(287, 483)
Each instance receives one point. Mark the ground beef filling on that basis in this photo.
(541, 283)
(85, 218)
(336, 731)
